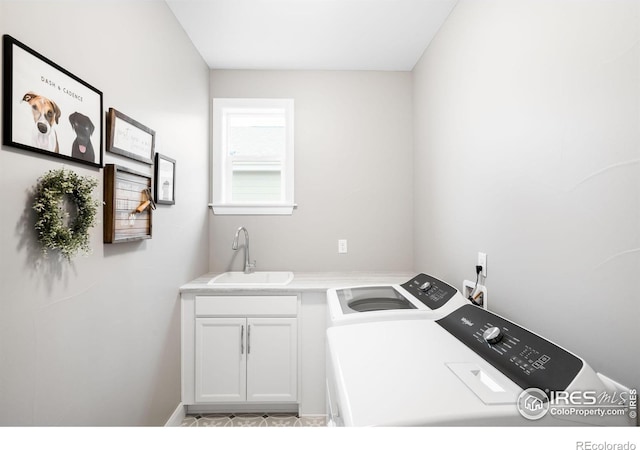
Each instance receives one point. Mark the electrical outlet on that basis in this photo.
(482, 261)
(342, 246)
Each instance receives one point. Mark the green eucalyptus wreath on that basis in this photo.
(53, 188)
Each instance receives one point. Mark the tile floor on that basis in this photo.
(252, 420)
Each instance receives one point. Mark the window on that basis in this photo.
(252, 156)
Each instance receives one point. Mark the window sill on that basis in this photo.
(252, 210)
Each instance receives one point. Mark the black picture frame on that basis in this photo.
(47, 109)
(128, 137)
(165, 180)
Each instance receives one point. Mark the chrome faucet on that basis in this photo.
(248, 266)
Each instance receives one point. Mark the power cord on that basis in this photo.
(474, 299)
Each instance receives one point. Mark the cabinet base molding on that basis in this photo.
(243, 408)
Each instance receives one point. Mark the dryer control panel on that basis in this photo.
(524, 357)
(432, 292)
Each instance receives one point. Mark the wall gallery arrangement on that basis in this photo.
(50, 111)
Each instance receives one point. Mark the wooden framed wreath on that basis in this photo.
(65, 211)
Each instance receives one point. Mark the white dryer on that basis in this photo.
(468, 368)
(422, 297)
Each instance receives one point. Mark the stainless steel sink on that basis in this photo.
(239, 279)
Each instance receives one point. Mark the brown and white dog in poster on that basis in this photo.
(82, 147)
(45, 115)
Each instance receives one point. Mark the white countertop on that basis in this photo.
(302, 282)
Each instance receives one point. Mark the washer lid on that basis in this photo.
(398, 373)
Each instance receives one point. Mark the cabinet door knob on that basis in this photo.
(248, 339)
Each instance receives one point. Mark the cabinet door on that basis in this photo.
(220, 360)
(272, 362)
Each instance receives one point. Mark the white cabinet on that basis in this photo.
(220, 360)
(240, 350)
(272, 360)
(246, 359)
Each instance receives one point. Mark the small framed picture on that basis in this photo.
(47, 109)
(165, 180)
(128, 137)
(128, 210)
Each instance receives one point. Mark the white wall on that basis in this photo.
(353, 176)
(97, 341)
(526, 119)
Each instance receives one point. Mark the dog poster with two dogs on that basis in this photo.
(48, 109)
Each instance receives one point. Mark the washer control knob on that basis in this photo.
(425, 286)
(493, 335)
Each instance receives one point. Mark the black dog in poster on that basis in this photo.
(83, 127)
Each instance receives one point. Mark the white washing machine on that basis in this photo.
(422, 297)
(470, 368)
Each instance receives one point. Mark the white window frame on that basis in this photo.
(221, 167)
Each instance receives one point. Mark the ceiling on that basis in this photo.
(311, 34)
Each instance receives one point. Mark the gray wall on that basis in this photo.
(524, 117)
(527, 148)
(353, 176)
(97, 341)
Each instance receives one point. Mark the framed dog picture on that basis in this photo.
(128, 137)
(47, 109)
(165, 180)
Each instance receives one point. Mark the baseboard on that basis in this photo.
(209, 408)
(312, 415)
(177, 417)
